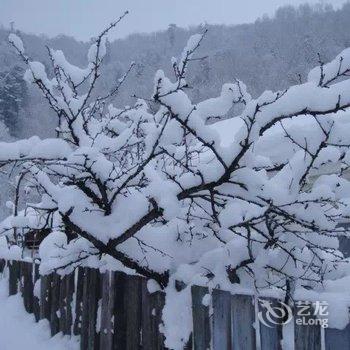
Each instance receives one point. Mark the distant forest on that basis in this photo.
(271, 53)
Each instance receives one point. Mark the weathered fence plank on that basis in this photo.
(79, 287)
(270, 335)
(306, 336)
(69, 300)
(94, 296)
(132, 301)
(152, 306)
(27, 286)
(62, 305)
(45, 296)
(20, 279)
(84, 327)
(243, 318)
(107, 305)
(14, 276)
(119, 312)
(65, 300)
(54, 312)
(201, 322)
(336, 339)
(2, 265)
(221, 320)
(91, 294)
(36, 292)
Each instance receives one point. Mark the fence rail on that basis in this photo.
(112, 310)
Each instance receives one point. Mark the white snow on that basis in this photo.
(226, 195)
(337, 67)
(17, 42)
(19, 331)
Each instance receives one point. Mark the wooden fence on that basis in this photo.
(115, 311)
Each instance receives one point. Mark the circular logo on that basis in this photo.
(274, 313)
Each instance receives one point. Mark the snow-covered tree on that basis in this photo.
(158, 189)
(13, 93)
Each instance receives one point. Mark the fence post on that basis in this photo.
(337, 339)
(221, 320)
(271, 335)
(201, 322)
(243, 318)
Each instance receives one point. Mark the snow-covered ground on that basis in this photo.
(18, 329)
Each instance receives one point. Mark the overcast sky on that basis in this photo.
(84, 18)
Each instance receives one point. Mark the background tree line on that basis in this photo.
(271, 53)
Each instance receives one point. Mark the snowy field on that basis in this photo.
(18, 329)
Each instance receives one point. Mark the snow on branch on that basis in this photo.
(326, 74)
(16, 41)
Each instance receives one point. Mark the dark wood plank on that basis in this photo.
(55, 294)
(307, 336)
(2, 265)
(14, 277)
(148, 324)
(62, 303)
(133, 310)
(119, 313)
(90, 297)
(36, 298)
(221, 320)
(104, 334)
(78, 295)
(107, 306)
(93, 298)
(243, 318)
(66, 297)
(152, 307)
(45, 296)
(337, 339)
(21, 279)
(84, 327)
(158, 302)
(70, 286)
(270, 334)
(201, 323)
(27, 285)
